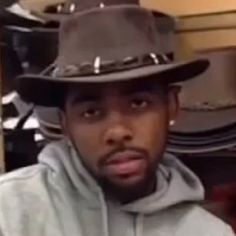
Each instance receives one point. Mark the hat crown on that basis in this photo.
(110, 35)
(107, 44)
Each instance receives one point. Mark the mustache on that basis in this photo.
(103, 159)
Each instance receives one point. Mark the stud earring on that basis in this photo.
(72, 8)
(172, 122)
(102, 5)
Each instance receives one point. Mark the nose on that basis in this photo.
(118, 132)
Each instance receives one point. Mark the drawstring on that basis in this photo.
(104, 215)
(139, 225)
(91, 182)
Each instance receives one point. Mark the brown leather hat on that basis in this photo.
(112, 41)
(207, 119)
(208, 104)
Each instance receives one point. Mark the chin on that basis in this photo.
(128, 182)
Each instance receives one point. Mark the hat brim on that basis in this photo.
(60, 17)
(49, 117)
(51, 17)
(50, 134)
(45, 90)
(203, 121)
(190, 144)
(203, 142)
(196, 142)
(183, 149)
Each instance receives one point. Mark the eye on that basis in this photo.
(138, 103)
(91, 112)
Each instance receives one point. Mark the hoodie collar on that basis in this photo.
(175, 182)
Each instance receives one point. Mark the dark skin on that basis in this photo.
(125, 121)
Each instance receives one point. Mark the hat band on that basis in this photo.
(98, 66)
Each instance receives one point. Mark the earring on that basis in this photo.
(102, 5)
(172, 122)
(72, 7)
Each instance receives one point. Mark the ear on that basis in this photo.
(63, 122)
(173, 103)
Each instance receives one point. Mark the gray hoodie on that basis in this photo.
(57, 197)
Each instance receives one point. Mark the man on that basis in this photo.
(109, 176)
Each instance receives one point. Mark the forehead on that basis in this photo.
(116, 88)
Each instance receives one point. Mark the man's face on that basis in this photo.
(120, 129)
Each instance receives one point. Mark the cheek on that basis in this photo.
(87, 141)
(152, 134)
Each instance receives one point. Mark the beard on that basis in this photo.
(123, 190)
(126, 191)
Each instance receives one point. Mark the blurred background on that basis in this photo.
(203, 137)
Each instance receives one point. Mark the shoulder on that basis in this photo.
(19, 176)
(29, 180)
(25, 195)
(197, 221)
(25, 200)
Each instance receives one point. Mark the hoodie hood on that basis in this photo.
(175, 182)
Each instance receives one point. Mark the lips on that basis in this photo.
(125, 163)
